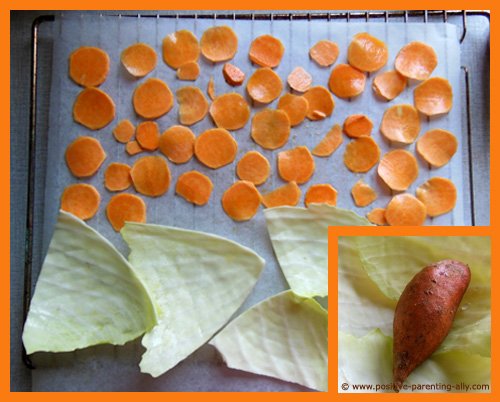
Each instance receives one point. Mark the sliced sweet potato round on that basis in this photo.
(194, 187)
(358, 125)
(125, 208)
(367, 53)
(346, 81)
(320, 101)
(437, 147)
(438, 194)
(139, 59)
(285, 195)
(416, 60)
(153, 98)
(88, 66)
(177, 144)
(264, 85)
(219, 43)
(331, 141)
(363, 194)
(389, 84)
(299, 79)
(179, 48)
(148, 135)
(321, 194)
(215, 148)
(93, 108)
(253, 167)
(193, 106)
(81, 200)
(233, 75)
(324, 53)
(117, 177)
(361, 154)
(84, 156)
(211, 88)
(124, 131)
(398, 169)
(189, 71)
(150, 175)
(133, 148)
(230, 111)
(405, 210)
(270, 128)
(400, 123)
(433, 96)
(241, 201)
(295, 106)
(266, 51)
(377, 216)
(296, 164)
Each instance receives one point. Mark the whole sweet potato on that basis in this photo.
(424, 314)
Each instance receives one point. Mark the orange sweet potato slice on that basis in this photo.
(233, 75)
(377, 216)
(150, 176)
(295, 106)
(437, 147)
(177, 144)
(286, 195)
(253, 167)
(88, 66)
(266, 51)
(361, 154)
(241, 201)
(363, 194)
(189, 71)
(332, 140)
(211, 88)
(153, 98)
(84, 156)
(148, 135)
(215, 148)
(416, 60)
(219, 43)
(358, 125)
(439, 195)
(124, 131)
(270, 128)
(117, 177)
(81, 200)
(398, 169)
(133, 148)
(321, 194)
(139, 59)
(179, 48)
(194, 187)
(299, 79)
(321, 103)
(296, 164)
(405, 210)
(346, 81)
(400, 123)
(389, 84)
(264, 85)
(125, 208)
(324, 53)
(230, 111)
(367, 53)
(93, 108)
(193, 106)
(433, 96)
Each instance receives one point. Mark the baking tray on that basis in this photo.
(34, 248)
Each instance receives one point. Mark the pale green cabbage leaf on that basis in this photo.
(284, 336)
(86, 294)
(197, 281)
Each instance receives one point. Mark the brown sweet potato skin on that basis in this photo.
(424, 314)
